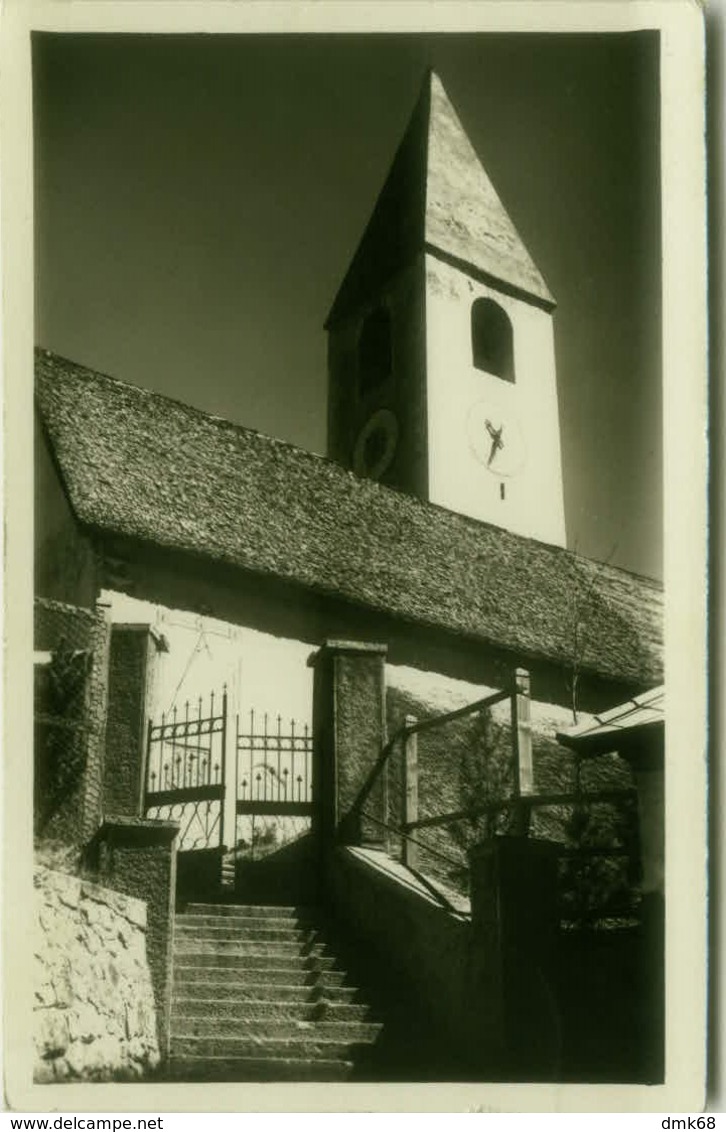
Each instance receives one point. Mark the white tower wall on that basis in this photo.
(526, 496)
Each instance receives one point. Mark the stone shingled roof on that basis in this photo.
(437, 196)
(140, 465)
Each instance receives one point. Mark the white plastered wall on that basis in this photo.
(533, 497)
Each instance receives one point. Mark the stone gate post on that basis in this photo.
(133, 654)
(139, 857)
(513, 885)
(348, 734)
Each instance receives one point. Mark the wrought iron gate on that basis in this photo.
(273, 776)
(186, 777)
(186, 771)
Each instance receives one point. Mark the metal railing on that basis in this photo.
(518, 809)
(404, 734)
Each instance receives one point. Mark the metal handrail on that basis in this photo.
(459, 713)
(519, 805)
(566, 851)
(531, 801)
(400, 832)
(405, 730)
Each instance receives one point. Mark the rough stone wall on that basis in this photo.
(125, 728)
(348, 721)
(138, 857)
(70, 743)
(94, 1005)
(95, 710)
(56, 621)
(358, 709)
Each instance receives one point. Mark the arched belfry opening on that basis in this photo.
(492, 347)
(375, 354)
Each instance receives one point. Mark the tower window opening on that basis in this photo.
(491, 339)
(374, 350)
(502, 491)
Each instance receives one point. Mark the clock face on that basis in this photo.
(375, 446)
(496, 439)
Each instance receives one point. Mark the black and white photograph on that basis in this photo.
(351, 741)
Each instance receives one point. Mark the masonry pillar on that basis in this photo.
(348, 734)
(71, 680)
(138, 857)
(96, 712)
(513, 884)
(133, 654)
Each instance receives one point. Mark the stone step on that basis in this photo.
(202, 945)
(259, 1069)
(306, 1045)
(187, 990)
(245, 911)
(272, 1029)
(239, 972)
(256, 961)
(272, 923)
(265, 1008)
(198, 927)
(242, 913)
(258, 996)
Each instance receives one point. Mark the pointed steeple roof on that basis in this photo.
(438, 195)
(464, 215)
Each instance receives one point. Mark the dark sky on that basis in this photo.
(198, 200)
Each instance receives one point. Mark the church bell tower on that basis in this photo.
(441, 359)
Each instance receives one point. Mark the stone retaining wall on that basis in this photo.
(94, 1003)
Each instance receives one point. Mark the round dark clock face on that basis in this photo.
(496, 439)
(375, 446)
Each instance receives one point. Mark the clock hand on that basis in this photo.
(497, 442)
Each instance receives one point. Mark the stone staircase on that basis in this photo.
(259, 996)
